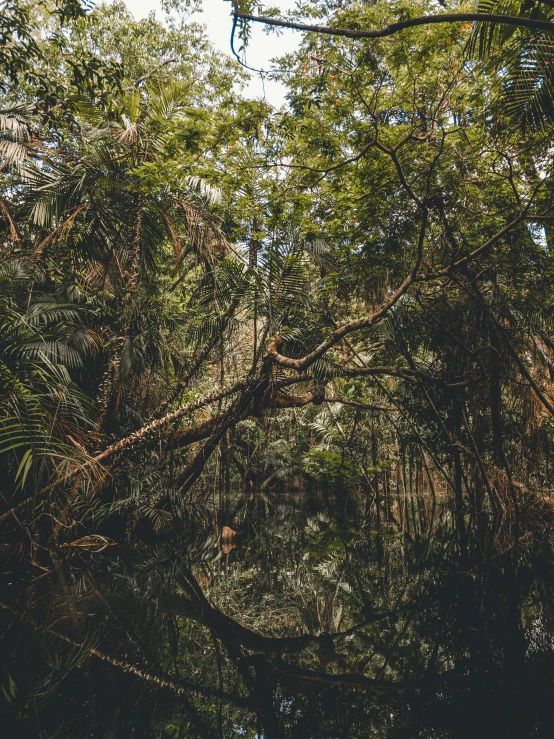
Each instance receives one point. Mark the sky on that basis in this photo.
(261, 49)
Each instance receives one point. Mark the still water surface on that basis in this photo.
(303, 613)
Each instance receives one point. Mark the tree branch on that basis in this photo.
(425, 20)
(178, 686)
(152, 72)
(348, 328)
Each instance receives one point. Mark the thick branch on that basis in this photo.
(273, 398)
(425, 20)
(338, 334)
(348, 328)
(148, 430)
(270, 400)
(251, 640)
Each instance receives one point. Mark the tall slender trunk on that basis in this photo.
(130, 280)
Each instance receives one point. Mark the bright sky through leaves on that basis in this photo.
(262, 47)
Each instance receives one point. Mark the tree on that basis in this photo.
(514, 38)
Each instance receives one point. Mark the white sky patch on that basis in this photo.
(216, 16)
(538, 234)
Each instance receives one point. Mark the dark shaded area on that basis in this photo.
(314, 616)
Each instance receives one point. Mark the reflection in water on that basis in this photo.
(304, 613)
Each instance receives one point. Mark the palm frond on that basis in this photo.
(521, 60)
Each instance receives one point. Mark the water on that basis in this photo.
(317, 614)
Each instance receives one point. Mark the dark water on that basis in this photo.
(324, 615)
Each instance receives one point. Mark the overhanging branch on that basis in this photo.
(424, 20)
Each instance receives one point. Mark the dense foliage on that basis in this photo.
(209, 305)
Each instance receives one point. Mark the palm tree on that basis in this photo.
(522, 59)
(106, 203)
(44, 416)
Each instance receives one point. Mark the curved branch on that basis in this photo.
(270, 400)
(339, 333)
(215, 619)
(424, 20)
